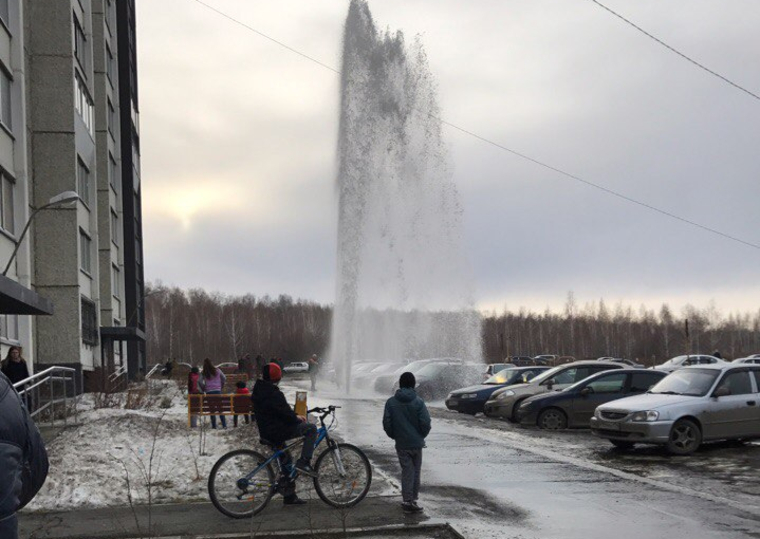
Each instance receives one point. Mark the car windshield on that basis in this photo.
(693, 382)
(504, 376)
(544, 375)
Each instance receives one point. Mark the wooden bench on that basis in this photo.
(228, 405)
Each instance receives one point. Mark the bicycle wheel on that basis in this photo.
(344, 475)
(235, 494)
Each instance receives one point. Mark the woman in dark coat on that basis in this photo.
(14, 366)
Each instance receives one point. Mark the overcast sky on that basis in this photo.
(239, 134)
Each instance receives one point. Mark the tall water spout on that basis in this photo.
(403, 287)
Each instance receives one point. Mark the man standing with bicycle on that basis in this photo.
(407, 421)
(278, 422)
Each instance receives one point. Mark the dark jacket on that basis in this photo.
(16, 371)
(406, 419)
(274, 416)
(23, 459)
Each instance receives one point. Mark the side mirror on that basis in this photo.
(722, 391)
(550, 385)
(586, 391)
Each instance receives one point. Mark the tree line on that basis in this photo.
(189, 325)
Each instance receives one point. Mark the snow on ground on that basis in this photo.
(113, 451)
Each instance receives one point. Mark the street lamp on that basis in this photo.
(58, 200)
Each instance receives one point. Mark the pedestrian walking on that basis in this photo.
(193, 388)
(14, 366)
(23, 459)
(313, 368)
(212, 381)
(407, 421)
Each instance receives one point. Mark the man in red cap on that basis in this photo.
(278, 422)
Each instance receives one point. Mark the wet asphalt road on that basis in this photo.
(493, 479)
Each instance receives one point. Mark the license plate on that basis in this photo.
(609, 425)
(452, 402)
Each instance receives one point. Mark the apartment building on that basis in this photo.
(71, 87)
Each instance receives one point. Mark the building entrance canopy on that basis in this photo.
(17, 299)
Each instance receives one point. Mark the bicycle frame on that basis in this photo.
(322, 434)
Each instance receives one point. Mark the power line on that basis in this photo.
(505, 148)
(676, 51)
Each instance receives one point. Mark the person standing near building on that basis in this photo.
(16, 369)
(407, 421)
(23, 459)
(313, 368)
(212, 382)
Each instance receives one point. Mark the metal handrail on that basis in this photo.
(154, 369)
(30, 391)
(117, 373)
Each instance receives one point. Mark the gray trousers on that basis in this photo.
(411, 466)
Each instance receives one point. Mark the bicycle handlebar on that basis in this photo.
(327, 410)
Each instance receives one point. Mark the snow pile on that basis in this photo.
(116, 455)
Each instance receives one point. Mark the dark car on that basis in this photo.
(436, 380)
(470, 400)
(574, 406)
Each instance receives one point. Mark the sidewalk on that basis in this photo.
(374, 517)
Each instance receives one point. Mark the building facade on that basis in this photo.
(65, 62)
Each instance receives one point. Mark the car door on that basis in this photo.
(732, 415)
(755, 421)
(605, 388)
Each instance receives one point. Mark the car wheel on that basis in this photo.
(684, 438)
(622, 444)
(513, 417)
(552, 419)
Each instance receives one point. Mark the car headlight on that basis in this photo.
(468, 396)
(646, 415)
(508, 393)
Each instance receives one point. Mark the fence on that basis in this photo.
(49, 393)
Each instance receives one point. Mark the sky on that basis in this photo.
(238, 143)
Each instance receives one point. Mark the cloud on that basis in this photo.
(238, 139)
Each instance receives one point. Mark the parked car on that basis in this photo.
(574, 406)
(385, 382)
(366, 378)
(688, 360)
(296, 366)
(504, 402)
(545, 359)
(520, 361)
(717, 401)
(471, 399)
(436, 380)
(754, 360)
(628, 362)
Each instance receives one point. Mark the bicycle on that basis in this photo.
(242, 482)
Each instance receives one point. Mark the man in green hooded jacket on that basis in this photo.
(407, 421)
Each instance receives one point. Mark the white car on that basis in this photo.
(751, 359)
(687, 361)
(297, 366)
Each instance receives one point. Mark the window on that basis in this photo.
(5, 100)
(114, 227)
(111, 119)
(109, 65)
(83, 181)
(757, 379)
(113, 172)
(4, 15)
(83, 102)
(80, 44)
(612, 383)
(85, 252)
(115, 273)
(89, 322)
(738, 383)
(7, 213)
(9, 327)
(642, 381)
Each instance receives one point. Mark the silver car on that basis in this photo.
(687, 361)
(720, 401)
